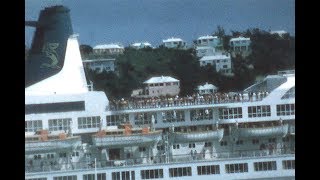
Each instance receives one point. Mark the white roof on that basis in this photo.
(214, 57)
(141, 43)
(161, 79)
(206, 86)
(207, 37)
(239, 39)
(278, 32)
(108, 46)
(172, 40)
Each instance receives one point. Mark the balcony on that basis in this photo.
(198, 136)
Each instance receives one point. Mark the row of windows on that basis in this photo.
(286, 109)
(88, 122)
(230, 113)
(123, 175)
(288, 164)
(265, 166)
(65, 178)
(201, 114)
(183, 171)
(259, 111)
(115, 120)
(173, 116)
(205, 170)
(32, 126)
(152, 174)
(237, 168)
(100, 176)
(59, 124)
(179, 172)
(37, 179)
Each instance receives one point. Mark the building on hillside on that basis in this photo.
(110, 49)
(221, 62)
(207, 45)
(205, 51)
(158, 86)
(100, 65)
(141, 45)
(240, 45)
(206, 89)
(174, 43)
(213, 41)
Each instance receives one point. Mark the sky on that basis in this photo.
(129, 21)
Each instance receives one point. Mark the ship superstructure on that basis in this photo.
(74, 133)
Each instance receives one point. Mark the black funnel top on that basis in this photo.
(46, 56)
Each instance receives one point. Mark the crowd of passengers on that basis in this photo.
(195, 99)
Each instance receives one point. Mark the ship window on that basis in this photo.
(201, 114)
(124, 175)
(172, 116)
(192, 145)
(255, 141)
(288, 164)
(230, 113)
(272, 140)
(236, 168)
(179, 172)
(151, 174)
(115, 120)
(62, 155)
(59, 124)
(285, 139)
(65, 178)
(33, 126)
(88, 122)
(55, 107)
(223, 143)
(265, 166)
(168, 84)
(239, 142)
(259, 111)
(285, 109)
(142, 149)
(206, 170)
(207, 144)
(176, 146)
(144, 118)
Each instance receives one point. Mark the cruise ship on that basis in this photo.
(75, 133)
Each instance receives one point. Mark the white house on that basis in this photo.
(161, 86)
(111, 49)
(240, 44)
(207, 89)
(99, 65)
(213, 41)
(174, 43)
(141, 45)
(222, 62)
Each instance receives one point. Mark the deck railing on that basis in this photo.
(131, 105)
(184, 158)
